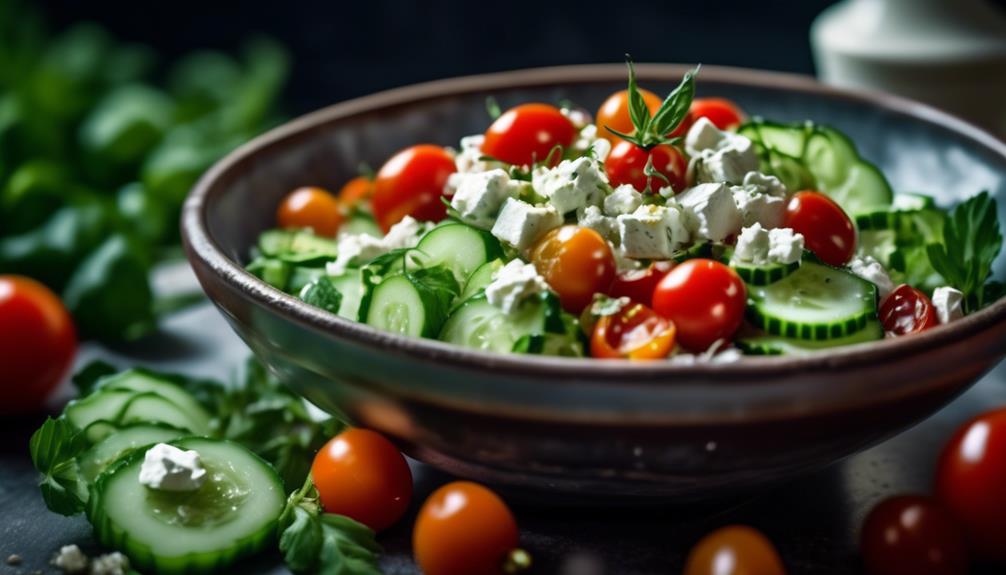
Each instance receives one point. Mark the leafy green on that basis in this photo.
(54, 448)
(650, 131)
(971, 241)
(90, 375)
(323, 294)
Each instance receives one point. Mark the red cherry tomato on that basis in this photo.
(638, 285)
(627, 162)
(909, 535)
(576, 263)
(527, 134)
(971, 483)
(907, 310)
(827, 230)
(734, 550)
(357, 190)
(463, 529)
(614, 114)
(310, 207)
(635, 332)
(37, 343)
(723, 113)
(411, 183)
(705, 299)
(362, 475)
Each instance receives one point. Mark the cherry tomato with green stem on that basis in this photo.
(646, 170)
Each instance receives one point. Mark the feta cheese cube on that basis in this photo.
(752, 245)
(624, 263)
(652, 232)
(167, 468)
(872, 271)
(520, 224)
(766, 184)
(758, 207)
(514, 283)
(710, 211)
(948, 303)
(719, 156)
(591, 217)
(623, 200)
(468, 158)
(355, 249)
(571, 185)
(703, 135)
(784, 246)
(480, 195)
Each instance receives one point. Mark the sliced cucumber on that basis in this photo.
(141, 381)
(549, 344)
(787, 139)
(361, 223)
(97, 431)
(480, 278)
(121, 406)
(763, 274)
(864, 189)
(480, 325)
(272, 271)
(350, 285)
(234, 514)
(96, 459)
(778, 345)
(297, 246)
(461, 248)
(300, 276)
(815, 302)
(911, 202)
(399, 306)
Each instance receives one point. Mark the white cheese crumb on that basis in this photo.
(70, 559)
(467, 160)
(948, 303)
(591, 217)
(652, 232)
(571, 185)
(785, 246)
(514, 283)
(480, 195)
(757, 207)
(710, 211)
(752, 245)
(623, 200)
(167, 468)
(356, 249)
(719, 352)
(719, 156)
(580, 118)
(406, 233)
(520, 224)
(872, 271)
(766, 184)
(759, 246)
(114, 563)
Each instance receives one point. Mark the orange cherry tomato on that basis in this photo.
(614, 114)
(635, 332)
(626, 164)
(723, 113)
(463, 529)
(37, 343)
(363, 476)
(638, 285)
(411, 183)
(971, 483)
(909, 535)
(527, 134)
(310, 207)
(356, 191)
(576, 263)
(826, 229)
(907, 310)
(705, 299)
(734, 550)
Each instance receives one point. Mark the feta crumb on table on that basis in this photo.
(571, 185)
(710, 211)
(480, 195)
(520, 224)
(948, 303)
(652, 232)
(513, 284)
(623, 200)
(869, 269)
(71, 559)
(168, 468)
(114, 563)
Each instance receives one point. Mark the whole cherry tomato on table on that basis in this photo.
(734, 550)
(626, 164)
(705, 299)
(910, 535)
(826, 229)
(527, 134)
(723, 113)
(614, 114)
(363, 476)
(313, 208)
(354, 192)
(635, 332)
(411, 183)
(576, 263)
(971, 483)
(638, 285)
(907, 310)
(37, 343)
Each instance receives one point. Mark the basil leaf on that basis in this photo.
(971, 242)
(322, 293)
(54, 448)
(675, 107)
(300, 543)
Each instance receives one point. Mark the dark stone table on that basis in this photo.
(814, 521)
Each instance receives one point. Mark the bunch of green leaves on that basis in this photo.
(54, 450)
(653, 130)
(436, 285)
(971, 242)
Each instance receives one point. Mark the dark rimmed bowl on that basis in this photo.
(579, 427)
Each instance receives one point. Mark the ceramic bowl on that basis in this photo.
(584, 428)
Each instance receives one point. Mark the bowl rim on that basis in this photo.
(202, 249)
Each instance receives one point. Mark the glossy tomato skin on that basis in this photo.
(705, 299)
(826, 229)
(576, 263)
(911, 534)
(626, 164)
(751, 552)
(463, 529)
(310, 207)
(362, 475)
(411, 183)
(907, 310)
(527, 134)
(37, 343)
(723, 113)
(355, 192)
(636, 332)
(970, 480)
(638, 285)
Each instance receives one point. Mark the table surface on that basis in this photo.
(814, 520)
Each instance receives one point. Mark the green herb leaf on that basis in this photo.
(971, 242)
(652, 131)
(493, 108)
(675, 107)
(322, 293)
(639, 113)
(54, 448)
(87, 378)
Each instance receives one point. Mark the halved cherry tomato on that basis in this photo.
(734, 550)
(576, 263)
(723, 113)
(411, 183)
(907, 310)
(614, 114)
(635, 332)
(627, 162)
(37, 343)
(357, 190)
(826, 229)
(909, 535)
(971, 483)
(638, 285)
(310, 207)
(527, 134)
(362, 475)
(463, 529)
(705, 299)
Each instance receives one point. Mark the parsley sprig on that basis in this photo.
(54, 450)
(971, 241)
(651, 131)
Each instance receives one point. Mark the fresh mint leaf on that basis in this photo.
(54, 448)
(323, 294)
(971, 242)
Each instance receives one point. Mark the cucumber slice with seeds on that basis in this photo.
(104, 453)
(460, 248)
(399, 306)
(120, 406)
(141, 381)
(763, 274)
(480, 325)
(480, 278)
(778, 345)
(350, 285)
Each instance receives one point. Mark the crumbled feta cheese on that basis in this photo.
(702, 136)
(872, 271)
(623, 200)
(520, 224)
(354, 249)
(710, 211)
(758, 207)
(759, 246)
(480, 195)
(591, 217)
(785, 246)
(114, 563)
(167, 468)
(579, 117)
(587, 141)
(752, 245)
(406, 233)
(719, 156)
(719, 352)
(652, 232)
(468, 158)
(514, 283)
(571, 185)
(70, 559)
(948, 303)
(624, 263)
(770, 185)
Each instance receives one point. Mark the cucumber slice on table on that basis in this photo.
(815, 302)
(121, 406)
(96, 459)
(232, 515)
(480, 325)
(141, 381)
(480, 278)
(460, 248)
(778, 345)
